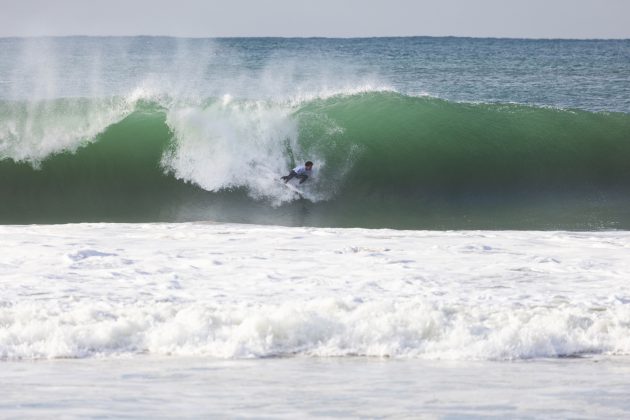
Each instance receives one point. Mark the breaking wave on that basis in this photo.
(383, 159)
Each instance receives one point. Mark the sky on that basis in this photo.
(325, 18)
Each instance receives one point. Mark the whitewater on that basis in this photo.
(250, 291)
(240, 316)
(461, 250)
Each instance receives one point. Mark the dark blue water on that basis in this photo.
(591, 75)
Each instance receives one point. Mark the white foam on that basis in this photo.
(32, 131)
(237, 144)
(233, 291)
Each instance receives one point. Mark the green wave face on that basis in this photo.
(115, 178)
(432, 163)
(383, 160)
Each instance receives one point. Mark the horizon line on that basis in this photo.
(315, 37)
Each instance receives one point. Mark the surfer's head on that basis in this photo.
(309, 165)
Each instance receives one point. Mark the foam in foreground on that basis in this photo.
(237, 291)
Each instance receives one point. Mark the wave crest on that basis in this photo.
(322, 328)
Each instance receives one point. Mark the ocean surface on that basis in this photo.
(413, 133)
(461, 250)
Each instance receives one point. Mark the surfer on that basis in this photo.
(301, 172)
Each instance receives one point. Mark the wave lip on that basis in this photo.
(34, 131)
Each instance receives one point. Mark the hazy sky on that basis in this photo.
(331, 18)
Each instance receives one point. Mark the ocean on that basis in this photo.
(461, 248)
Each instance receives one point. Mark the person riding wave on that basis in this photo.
(301, 172)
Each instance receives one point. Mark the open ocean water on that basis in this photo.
(461, 250)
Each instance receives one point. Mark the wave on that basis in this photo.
(410, 328)
(383, 159)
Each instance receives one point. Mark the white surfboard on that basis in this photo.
(293, 188)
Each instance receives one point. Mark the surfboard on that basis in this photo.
(293, 188)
